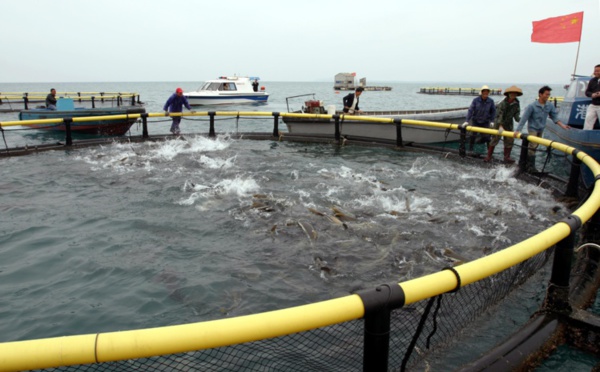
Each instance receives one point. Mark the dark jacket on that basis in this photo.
(50, 100)
(481, 112)
(593, 87)
(506, 113)
(176, 103)
(348, 102)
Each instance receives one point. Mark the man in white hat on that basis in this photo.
(507, 111)
(481, 114)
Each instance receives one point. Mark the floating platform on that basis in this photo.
(347, 81)
(369, 88)
(17, 101)
(458, 91)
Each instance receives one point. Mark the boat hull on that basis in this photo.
(385, 131)
(97, 127)
(587, 141)
(225, 99)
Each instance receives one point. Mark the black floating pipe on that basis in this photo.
(523, 155)
(275, 124)
(211, 131)
(119, 100)
(338, 135)
(93, 102)
(102, 97)
(144, 117)
(25, 101)
(133, 100)
(379, 303)
(462, 151)
(398, 123)
(557, 296)
(79, 95)
(138, 100)
(69, 138)
(573, 184)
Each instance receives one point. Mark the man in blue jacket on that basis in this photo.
(535, 116)
(175, 103)
(481, 114)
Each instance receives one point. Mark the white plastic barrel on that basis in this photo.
(331, 110)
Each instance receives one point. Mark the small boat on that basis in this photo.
(379, 131)
(65, 108)
(228, 90)
(572, 111)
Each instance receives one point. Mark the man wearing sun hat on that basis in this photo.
(481, 113)
(175, 103)
(507, 111)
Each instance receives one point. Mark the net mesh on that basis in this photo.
(339, 347)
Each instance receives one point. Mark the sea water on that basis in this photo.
(135, 235)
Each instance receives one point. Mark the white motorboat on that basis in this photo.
(314, 126)
(228, 90)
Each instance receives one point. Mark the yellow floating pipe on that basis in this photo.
(112, 346)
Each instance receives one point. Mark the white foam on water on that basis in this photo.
(238, 186)
(217, 163)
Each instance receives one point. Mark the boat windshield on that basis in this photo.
(210, 86)
(577, 88)
(228, 86)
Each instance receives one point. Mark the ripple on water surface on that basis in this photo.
(140, 235)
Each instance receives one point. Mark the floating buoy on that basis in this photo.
(262, 88)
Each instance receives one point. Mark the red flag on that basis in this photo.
(563, 29)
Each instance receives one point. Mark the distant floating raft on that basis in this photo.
(458, 91)
(17, 101)
(370, 88)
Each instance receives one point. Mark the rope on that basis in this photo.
(548, 154)
(413, 342)
(421, 325)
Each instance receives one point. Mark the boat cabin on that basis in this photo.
(574, 107)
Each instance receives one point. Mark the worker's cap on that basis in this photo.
(485, 87)
(178, 90)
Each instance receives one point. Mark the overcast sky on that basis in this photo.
(307, 40)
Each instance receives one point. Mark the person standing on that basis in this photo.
(593, 91)
(51, 100)
(535, 115)
(175, 103)
(507, 111)
(255, 85)
(351, 101)
(481, 114)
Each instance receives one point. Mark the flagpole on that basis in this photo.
(577, 57)
(578, 45)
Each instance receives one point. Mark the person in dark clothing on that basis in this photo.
(481, 114)
(51, 100)
(351, 101)
(507, 111)
(175, 103)
(255, 85)
(593, 91)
